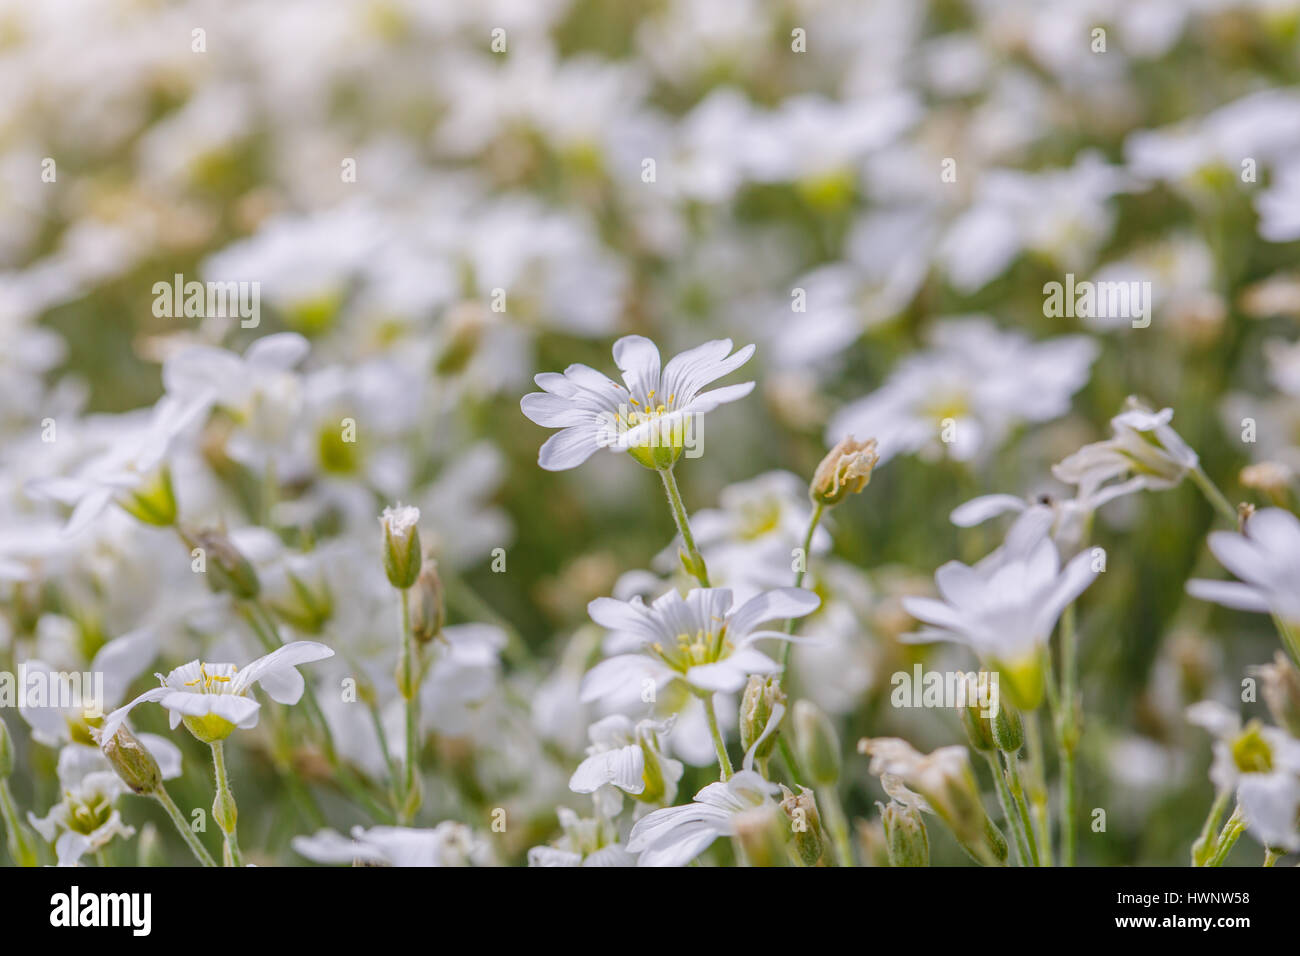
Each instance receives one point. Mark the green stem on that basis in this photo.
(1016, 783)
(720, 745)
(1207, 842)
(223, 807)
(697, 568)
(1067, 733)
(21, 847)
(838, 823)
(410, 693)
(791, 761)
(1005, 801)
(1271, 856)
(819, 508)
(1038, 787)
(1213, 495)
(178, 821)
(1228, 837)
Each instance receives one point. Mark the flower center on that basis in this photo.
(206, 682)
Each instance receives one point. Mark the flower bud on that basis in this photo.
(6, 752)
(905, 838)
(132, 761)
(805, 824)
(227, 569)
(1008, 730)
(762, 696)
(817, 743)
(845, 470)
(760, 834)
(1281, 693)
(401, 545)
(978, 727)
(224, 812)
(428, 613)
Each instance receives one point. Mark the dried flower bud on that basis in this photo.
(845, 470)
(132, 761)
(428, 612)
(905, 838)
(1270, 477)
(817, 743)
(805, 824)
(401, 545)
(763, 695)
(1281, 693)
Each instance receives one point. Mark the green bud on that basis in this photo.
(817, 744)
(762, 696)
(905, 838)
(760, 833)
(805, 824)
(133, 762)
(228, 571)
(401, 545)
(428, 613)
(978, 727)
(6, 751)
(1008, 730)
(224, 812)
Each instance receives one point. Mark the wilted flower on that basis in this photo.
(845, 470)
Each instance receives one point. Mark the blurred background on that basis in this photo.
(447, 198)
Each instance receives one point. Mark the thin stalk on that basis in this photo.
(223, 808)
(410, 692)
(1067, 733)
(1005, 801)
(21, 847)
(838, 823)
(1228, 836)
(1213, 495)
(1016, 784)
(791, 762)
(720, 745)
(183, 828)
(819, 508)
(1207, 842)
(698, 569)
(1038, 788)
(1271, 856)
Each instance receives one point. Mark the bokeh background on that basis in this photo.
(502, 145)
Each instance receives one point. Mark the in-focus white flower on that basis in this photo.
(700, 639)
(586, 841)
(1263, 765)
(674, 836)
(1266, 556)
(648, 415)
(212, 700)
(626, 757)
(447, 844)
(1005, 607)
(1143, 453)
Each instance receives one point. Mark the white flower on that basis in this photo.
(1143, 453)
(649, 410)
(674, 836)
(1263, 765)
(447, 844)
(1266, 556)
(214, 699)
(626, 756)
(964, 395)
(586, 842)
(1005, 607)
(699, 639)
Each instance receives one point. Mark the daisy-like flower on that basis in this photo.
(587, 841)
(1266, 556)
(699, 639)
(212, 700)
(1005, 607)
(1262, 764)
(1144, 453)
(653, 415)
(626, 757)
(447, 844)
(674, 836)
